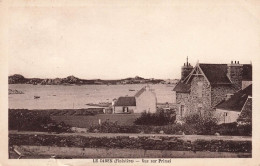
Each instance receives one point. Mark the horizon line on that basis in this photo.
(94, 78)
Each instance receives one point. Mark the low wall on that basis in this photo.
(131, 142)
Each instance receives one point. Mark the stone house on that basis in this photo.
(235, 106)
(143, 101)
(202, 87)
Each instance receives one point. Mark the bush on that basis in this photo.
(234, 129)
(179, 129)
(203, 124)
(26, 120)
(154, 119)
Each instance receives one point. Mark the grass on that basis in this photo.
(60, 112)
(87, 121)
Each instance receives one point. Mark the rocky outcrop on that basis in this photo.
(61, 81)
(72, 80)
(14, 91)
(16, 79)
(56, 81)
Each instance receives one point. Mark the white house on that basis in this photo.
(143, 101)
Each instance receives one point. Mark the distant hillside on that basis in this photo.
(72, 80)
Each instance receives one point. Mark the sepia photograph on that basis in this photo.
(141, 82)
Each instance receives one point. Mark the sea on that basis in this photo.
(77, 97)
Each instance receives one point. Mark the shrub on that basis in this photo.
(154, 119)
(26, 120)
(203, 124)
(179, 129)
(234, 129)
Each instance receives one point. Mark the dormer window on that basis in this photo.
(228, 96)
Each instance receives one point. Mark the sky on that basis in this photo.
(150, 39)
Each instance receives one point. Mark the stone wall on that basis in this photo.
(234, 72)
(211, 96)
(182, 99)
(219, 92)
(197, 102)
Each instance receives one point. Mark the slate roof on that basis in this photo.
(237, 101)
(215, 73)
(126, 101)
(246, 113)
(182, 87)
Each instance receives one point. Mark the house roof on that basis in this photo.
(237, 101)
(246, 113)
(126, 101)
(182, 87)
(140, 92)
(215, 73)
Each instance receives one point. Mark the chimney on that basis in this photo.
(234, 73)
(186, 69)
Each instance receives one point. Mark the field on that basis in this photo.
(83, 118)
(44, 133)
(87, 121)
(57, 112)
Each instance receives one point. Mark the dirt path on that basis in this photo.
(31, 152)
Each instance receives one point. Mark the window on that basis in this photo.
(199, 90)
(200, 109)
(225, 117)
(125, 109)
(182, 110)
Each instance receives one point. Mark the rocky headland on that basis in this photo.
(72, 80)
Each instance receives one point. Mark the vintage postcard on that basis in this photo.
(130, 82)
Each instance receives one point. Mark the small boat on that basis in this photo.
(131, 90)
(36, 97)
